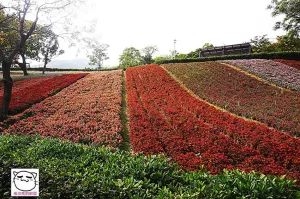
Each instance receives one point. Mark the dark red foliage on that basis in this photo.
(241, 94)
(165, 118)
(292, 63)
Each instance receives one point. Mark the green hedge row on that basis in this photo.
(77, 171)
(273, 55)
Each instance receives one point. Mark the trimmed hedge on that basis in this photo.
(78, 171)
(273, 55)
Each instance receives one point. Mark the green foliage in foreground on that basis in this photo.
(77, 171)
(272, 55)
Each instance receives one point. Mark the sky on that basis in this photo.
(140, 23)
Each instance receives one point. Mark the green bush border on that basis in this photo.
(79, 171)
(275, 55)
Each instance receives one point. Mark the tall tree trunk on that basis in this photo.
(45, 62)
(7, 84)
(23, 65)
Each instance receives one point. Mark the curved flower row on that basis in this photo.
(87, 111)
(25, 83)
(291, 63)
(164, 118)
(274, 72)
(29, 91)
(241, 94)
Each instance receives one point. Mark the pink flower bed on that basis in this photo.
(274, 72)
(86, 111)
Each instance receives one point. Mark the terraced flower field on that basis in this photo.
(291, 63)
(274, 72)
(87, 111)
(204, 131)
(29, 91)
(241, 94)
(165, 118)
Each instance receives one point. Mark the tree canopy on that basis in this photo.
(130, 57)
(98, 54)
(19, 11)
(207, 45)
(285, 42)
(291, 11)
(148, 52)
(261, 44)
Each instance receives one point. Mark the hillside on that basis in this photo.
(241, 94)
(184, 130)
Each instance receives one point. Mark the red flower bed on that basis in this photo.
(164, 118)
(292, 63)
(241, 94)
(86, 111)
(30, 91)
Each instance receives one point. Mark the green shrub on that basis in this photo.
(273, 55)
(78, 171)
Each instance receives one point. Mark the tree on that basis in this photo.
(49, 47)
(291, 11)
(31, 50)
(262, 44)
(162, 57)
(207, 45)
(21, 10)
(181, 56)
(174, 53)
(148, 52)
(130, 57)
(32, 47)
(195, 53)
(98, 55)
(5, 18)
(8, 34)
(287, 42)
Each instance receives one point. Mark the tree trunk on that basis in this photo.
(45, 63)
(23, 65)
(7, 91)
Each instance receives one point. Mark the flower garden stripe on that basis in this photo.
(240, 94)
(291, 63)
(30, 91)
(191, 132)
(87, 111)
(274, 72)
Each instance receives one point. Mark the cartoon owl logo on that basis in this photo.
(24, 180)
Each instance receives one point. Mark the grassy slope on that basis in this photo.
(125, 145)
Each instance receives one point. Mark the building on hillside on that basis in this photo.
(236, 49)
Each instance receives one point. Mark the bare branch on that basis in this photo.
(45, 7)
